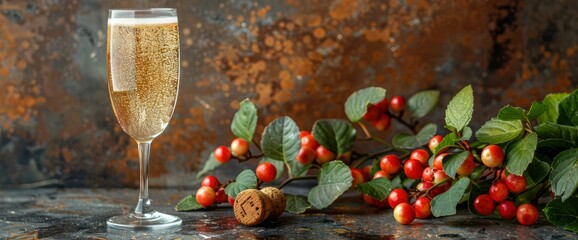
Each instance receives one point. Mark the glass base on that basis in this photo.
(152, 221)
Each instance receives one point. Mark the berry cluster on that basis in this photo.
(211, 192)
(311, 151)
(378, 113)
(418, 175)
(435, 181)
(500, 190)
(266, 172)
(239, 149)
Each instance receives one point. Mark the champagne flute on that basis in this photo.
(143, 81)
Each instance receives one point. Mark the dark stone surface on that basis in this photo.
(82, 214)
(300, 58)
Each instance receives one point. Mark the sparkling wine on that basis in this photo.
(143, 73)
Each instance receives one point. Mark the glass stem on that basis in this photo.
(143, 208)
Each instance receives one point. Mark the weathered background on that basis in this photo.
(300, 58)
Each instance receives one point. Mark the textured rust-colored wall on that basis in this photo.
(300, 58)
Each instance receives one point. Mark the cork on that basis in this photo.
(252, 207)
(277, 200)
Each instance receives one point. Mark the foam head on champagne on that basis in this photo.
(138, 21)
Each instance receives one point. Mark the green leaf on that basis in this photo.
(445, 203)
(568, 110)
(409, 141)
(421, 103)
(189, 203)
(245, 121)
(554, 145)
(245, 180)
(279, 165)
(509, 113)
(374, 168)
(448, 141)
(551, 101)
(452, 162)
(333, 180)
(296, 204)
(281, 141)
(466, 134)
(334, 134)
(564, 175)
(520, 153)
(460, 109)
(396, 182)
(356, 104)
(553, 130)
(536, 172)
(498, 131)
(482, 188)
(408, 183)
(563, 214)
(378, 188)
(210, 165)
(536, 110)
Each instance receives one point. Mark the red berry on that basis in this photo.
(367, 199)
(206, 196)
(222, 154)
(397, 103)
(527, 214)
(498, 191)
(266, 172)
(372, 113)
(239, 147)
(434, 142)
(357, 177)
(492, 156)
(504, 174)
(404, 213)
(426, 184)
(374, 202)
(383, 105)
(507, 210)
(380, 204)
(422, 207)
(515, 183)
(309, 141)
(438, 161)
(413, 169)
(303, 133)
(467, 166)
(437, 191)
(382, 123)
(427, 174)
(366, 172)
(323, 155)
(439, 176)
(484, 205)
(231, 200)
(221, 196)
(420, 187)
(397, 196)
(381, 174)
(390, 164)
(306, 155)
(211, 181)
(421, 155)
